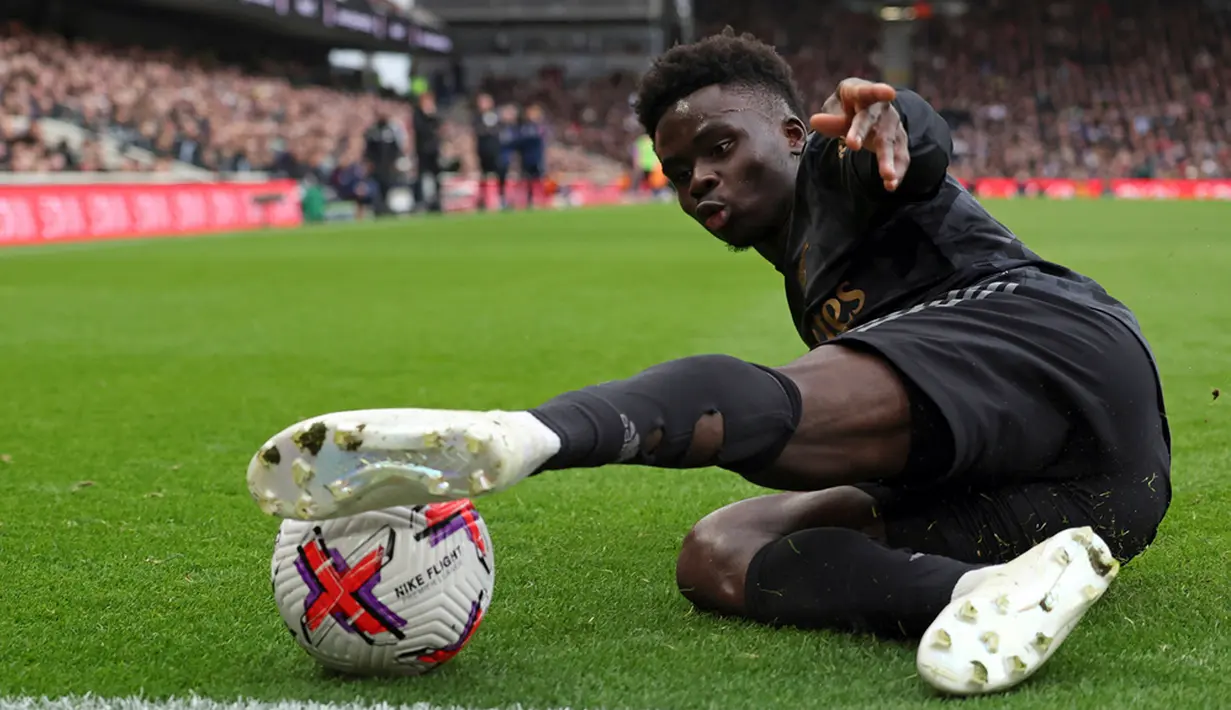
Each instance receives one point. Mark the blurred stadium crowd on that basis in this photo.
(1071, 88)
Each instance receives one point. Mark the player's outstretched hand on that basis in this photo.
(860, 112)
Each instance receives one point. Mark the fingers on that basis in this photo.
(862, 116)
(830, 125)
(857, 94)
(886, 161)
(854, 128)
(892, 147)
(901, 159)
(887, 140)
(862, 124)
(851, 97)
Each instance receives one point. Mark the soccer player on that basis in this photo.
(973, 444)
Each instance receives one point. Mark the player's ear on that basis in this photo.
(796, 133)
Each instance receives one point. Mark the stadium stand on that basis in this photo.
(180, 110)
(1078, 88)
(1083, 90)
(1062, 89)
(138, 109)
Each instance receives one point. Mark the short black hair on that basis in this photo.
(725, 59)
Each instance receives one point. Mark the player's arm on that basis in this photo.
(895, 141)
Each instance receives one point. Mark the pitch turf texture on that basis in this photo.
(139, 377)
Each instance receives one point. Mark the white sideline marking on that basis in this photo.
(17, 251)
(93, 702)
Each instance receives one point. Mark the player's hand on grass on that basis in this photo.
(860, 112)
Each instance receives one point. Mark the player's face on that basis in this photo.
(731, 163)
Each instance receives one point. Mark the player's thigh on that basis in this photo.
(994, 526)
(1022, 381)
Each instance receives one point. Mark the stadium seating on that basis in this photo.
(1052, 89)
(1071, 89)
(181, 110)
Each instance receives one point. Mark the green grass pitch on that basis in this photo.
(138, 378)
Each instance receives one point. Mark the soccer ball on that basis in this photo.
(391, 592)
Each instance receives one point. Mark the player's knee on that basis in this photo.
(714, 561)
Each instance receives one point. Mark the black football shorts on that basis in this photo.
(1033, 411)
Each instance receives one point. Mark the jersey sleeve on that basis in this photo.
(857, 174)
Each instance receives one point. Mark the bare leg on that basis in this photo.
(714, 558)
(834, 417)
(855, 425)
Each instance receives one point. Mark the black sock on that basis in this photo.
(618, 422)
(842, 579)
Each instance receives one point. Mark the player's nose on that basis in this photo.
(703, 183)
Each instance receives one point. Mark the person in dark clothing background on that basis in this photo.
(509, 142)
(532, 145)
(384, 145)
(487, 144)
(427, 152)
(354, 182)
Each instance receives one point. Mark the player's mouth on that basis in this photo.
(713, 215)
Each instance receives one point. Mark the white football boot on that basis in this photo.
(1006, 620)
(350, 462)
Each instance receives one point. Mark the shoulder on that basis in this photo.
(822, 152)
(817, 145)
(820, 167)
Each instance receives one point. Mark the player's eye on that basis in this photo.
(681, 176)
(723, 146)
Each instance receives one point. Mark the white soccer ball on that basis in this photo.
(392, 592)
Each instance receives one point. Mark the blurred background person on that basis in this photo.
(385, 145)
(645, 164)
(427, 154)
(487, 143)
(353, 181)
(510, 137)
(532, 149)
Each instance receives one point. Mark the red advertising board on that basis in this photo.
(60, 213)
(461, 194)
(1061, 189)
(1171, 189)
(33, 214)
